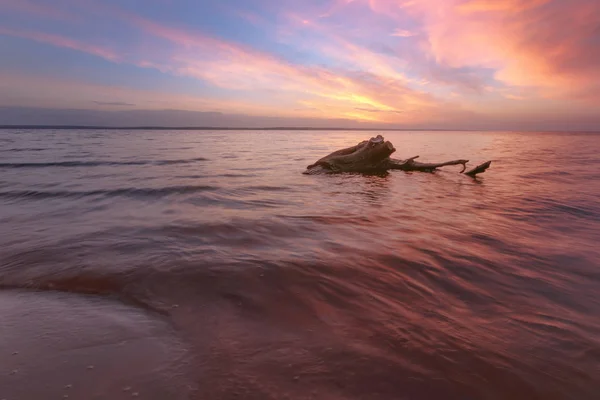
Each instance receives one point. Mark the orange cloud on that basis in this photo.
(552, 47)
(508, 6)
(362, 116)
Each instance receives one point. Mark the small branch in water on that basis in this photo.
(479, 169)
(412, 165)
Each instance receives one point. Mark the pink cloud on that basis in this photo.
(548, 46)
(336, 45)
(403, 33)
(406, 61)
(61, 41)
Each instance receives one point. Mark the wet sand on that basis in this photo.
(57, 345)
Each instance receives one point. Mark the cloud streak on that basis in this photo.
(403, 33)
(114, 103)
(62, 41)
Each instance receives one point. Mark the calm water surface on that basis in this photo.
(284, 285)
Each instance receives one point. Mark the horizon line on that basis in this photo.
(274, 128)
(226, 128)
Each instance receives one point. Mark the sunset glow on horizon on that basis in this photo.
(456, 64)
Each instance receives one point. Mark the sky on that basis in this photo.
(439, 64)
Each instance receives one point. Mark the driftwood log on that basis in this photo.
(373, 156)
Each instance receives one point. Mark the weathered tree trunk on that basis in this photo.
(367, 156)
(374, 156)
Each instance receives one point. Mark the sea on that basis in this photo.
(279, 285)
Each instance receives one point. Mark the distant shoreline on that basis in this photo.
(213, 128)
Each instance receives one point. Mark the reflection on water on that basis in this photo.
(350, 286)
(366, 188)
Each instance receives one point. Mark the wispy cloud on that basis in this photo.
(62, 41)
(376, 110)
(504, 6)
(114, 103)
(403, 33)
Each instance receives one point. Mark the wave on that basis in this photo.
(170, 162)
(121, 192)
(25, 149)
(264, 188)
(332, 220)
(99, 163)
(549, 208)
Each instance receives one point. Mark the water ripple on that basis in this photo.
(427, 286)
(122, 192)
(97, 163)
